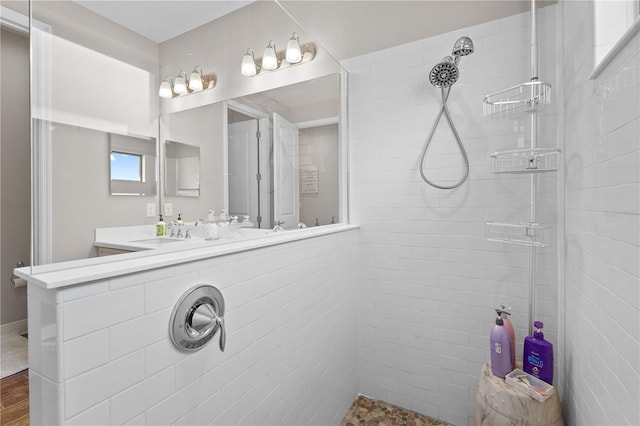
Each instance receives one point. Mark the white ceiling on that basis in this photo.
(162, 20)
(346, 28)
(350, 28)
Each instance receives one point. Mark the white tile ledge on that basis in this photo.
(57, 275)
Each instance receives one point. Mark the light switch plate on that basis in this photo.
(168, 209)
(151, 210)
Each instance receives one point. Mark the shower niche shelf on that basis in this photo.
(528, 160)
(524, 234)
(526, 98)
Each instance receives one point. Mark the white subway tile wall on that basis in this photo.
(602, 221)
(429, 280)
(290, 358)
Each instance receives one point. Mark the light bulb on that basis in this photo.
(165, 90)
(293, 50)
(249, 64)
(269, 58)
(180, 85)
(195, 81)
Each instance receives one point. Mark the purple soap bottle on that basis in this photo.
(537, 356)
(501, 363)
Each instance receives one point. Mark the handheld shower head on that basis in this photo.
(445, 73)
(462, 47)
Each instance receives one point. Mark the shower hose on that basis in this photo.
(444, 110)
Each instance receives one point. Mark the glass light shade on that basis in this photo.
(180, 85)
(269, 58)
(165, 90)
(195, 81)
(293, 50)
(248, 64)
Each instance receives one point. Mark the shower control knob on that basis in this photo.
(196, 318)
(202, 319)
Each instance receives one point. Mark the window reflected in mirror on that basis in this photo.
(126, 166)
(132, 165)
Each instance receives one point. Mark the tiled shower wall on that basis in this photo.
(602, 222)
(290, 358)
(429, 280)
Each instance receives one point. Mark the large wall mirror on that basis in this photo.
(271, 156)
(96, 75)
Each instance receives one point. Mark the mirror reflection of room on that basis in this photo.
(283, 155)
(131, 104)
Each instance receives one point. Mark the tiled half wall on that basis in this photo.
(290, 358)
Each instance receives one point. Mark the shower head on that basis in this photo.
(445, 73)
(463, 47)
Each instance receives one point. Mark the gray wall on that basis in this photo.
(319, 149)
(14, 172)
(198, 127)
(100, 77)
(82, 196)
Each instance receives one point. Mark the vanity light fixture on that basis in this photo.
(249, 67)
(269, 58)
(165, 90)
(273, 60)
(195, 80)
(180, 83)
(181, 86)
(293, 55)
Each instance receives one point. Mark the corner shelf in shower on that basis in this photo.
(526, 98)
(527, 160)
(525, 234)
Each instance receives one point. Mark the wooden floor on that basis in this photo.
(14, 400)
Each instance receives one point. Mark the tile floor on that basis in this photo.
(365, 411)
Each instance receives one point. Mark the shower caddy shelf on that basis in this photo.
(526, 98)
(510, 105)
(524, 234)
(526, 160)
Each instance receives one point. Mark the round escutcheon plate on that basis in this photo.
(196, 318)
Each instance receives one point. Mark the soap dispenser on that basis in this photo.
(537, 356)
(161, 228)
(501, 363)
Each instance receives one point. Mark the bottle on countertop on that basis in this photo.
(512, 333)
(179, 221)
(537, 355)
(161, 228)
(501, 363)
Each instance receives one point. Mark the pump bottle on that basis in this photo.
(161, 228)
(512, 333)
(537, 356)
(501, 363)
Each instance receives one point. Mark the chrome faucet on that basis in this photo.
(278, 226)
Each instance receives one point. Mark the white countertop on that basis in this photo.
(63, 274)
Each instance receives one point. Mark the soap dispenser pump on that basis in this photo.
(501, 363)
